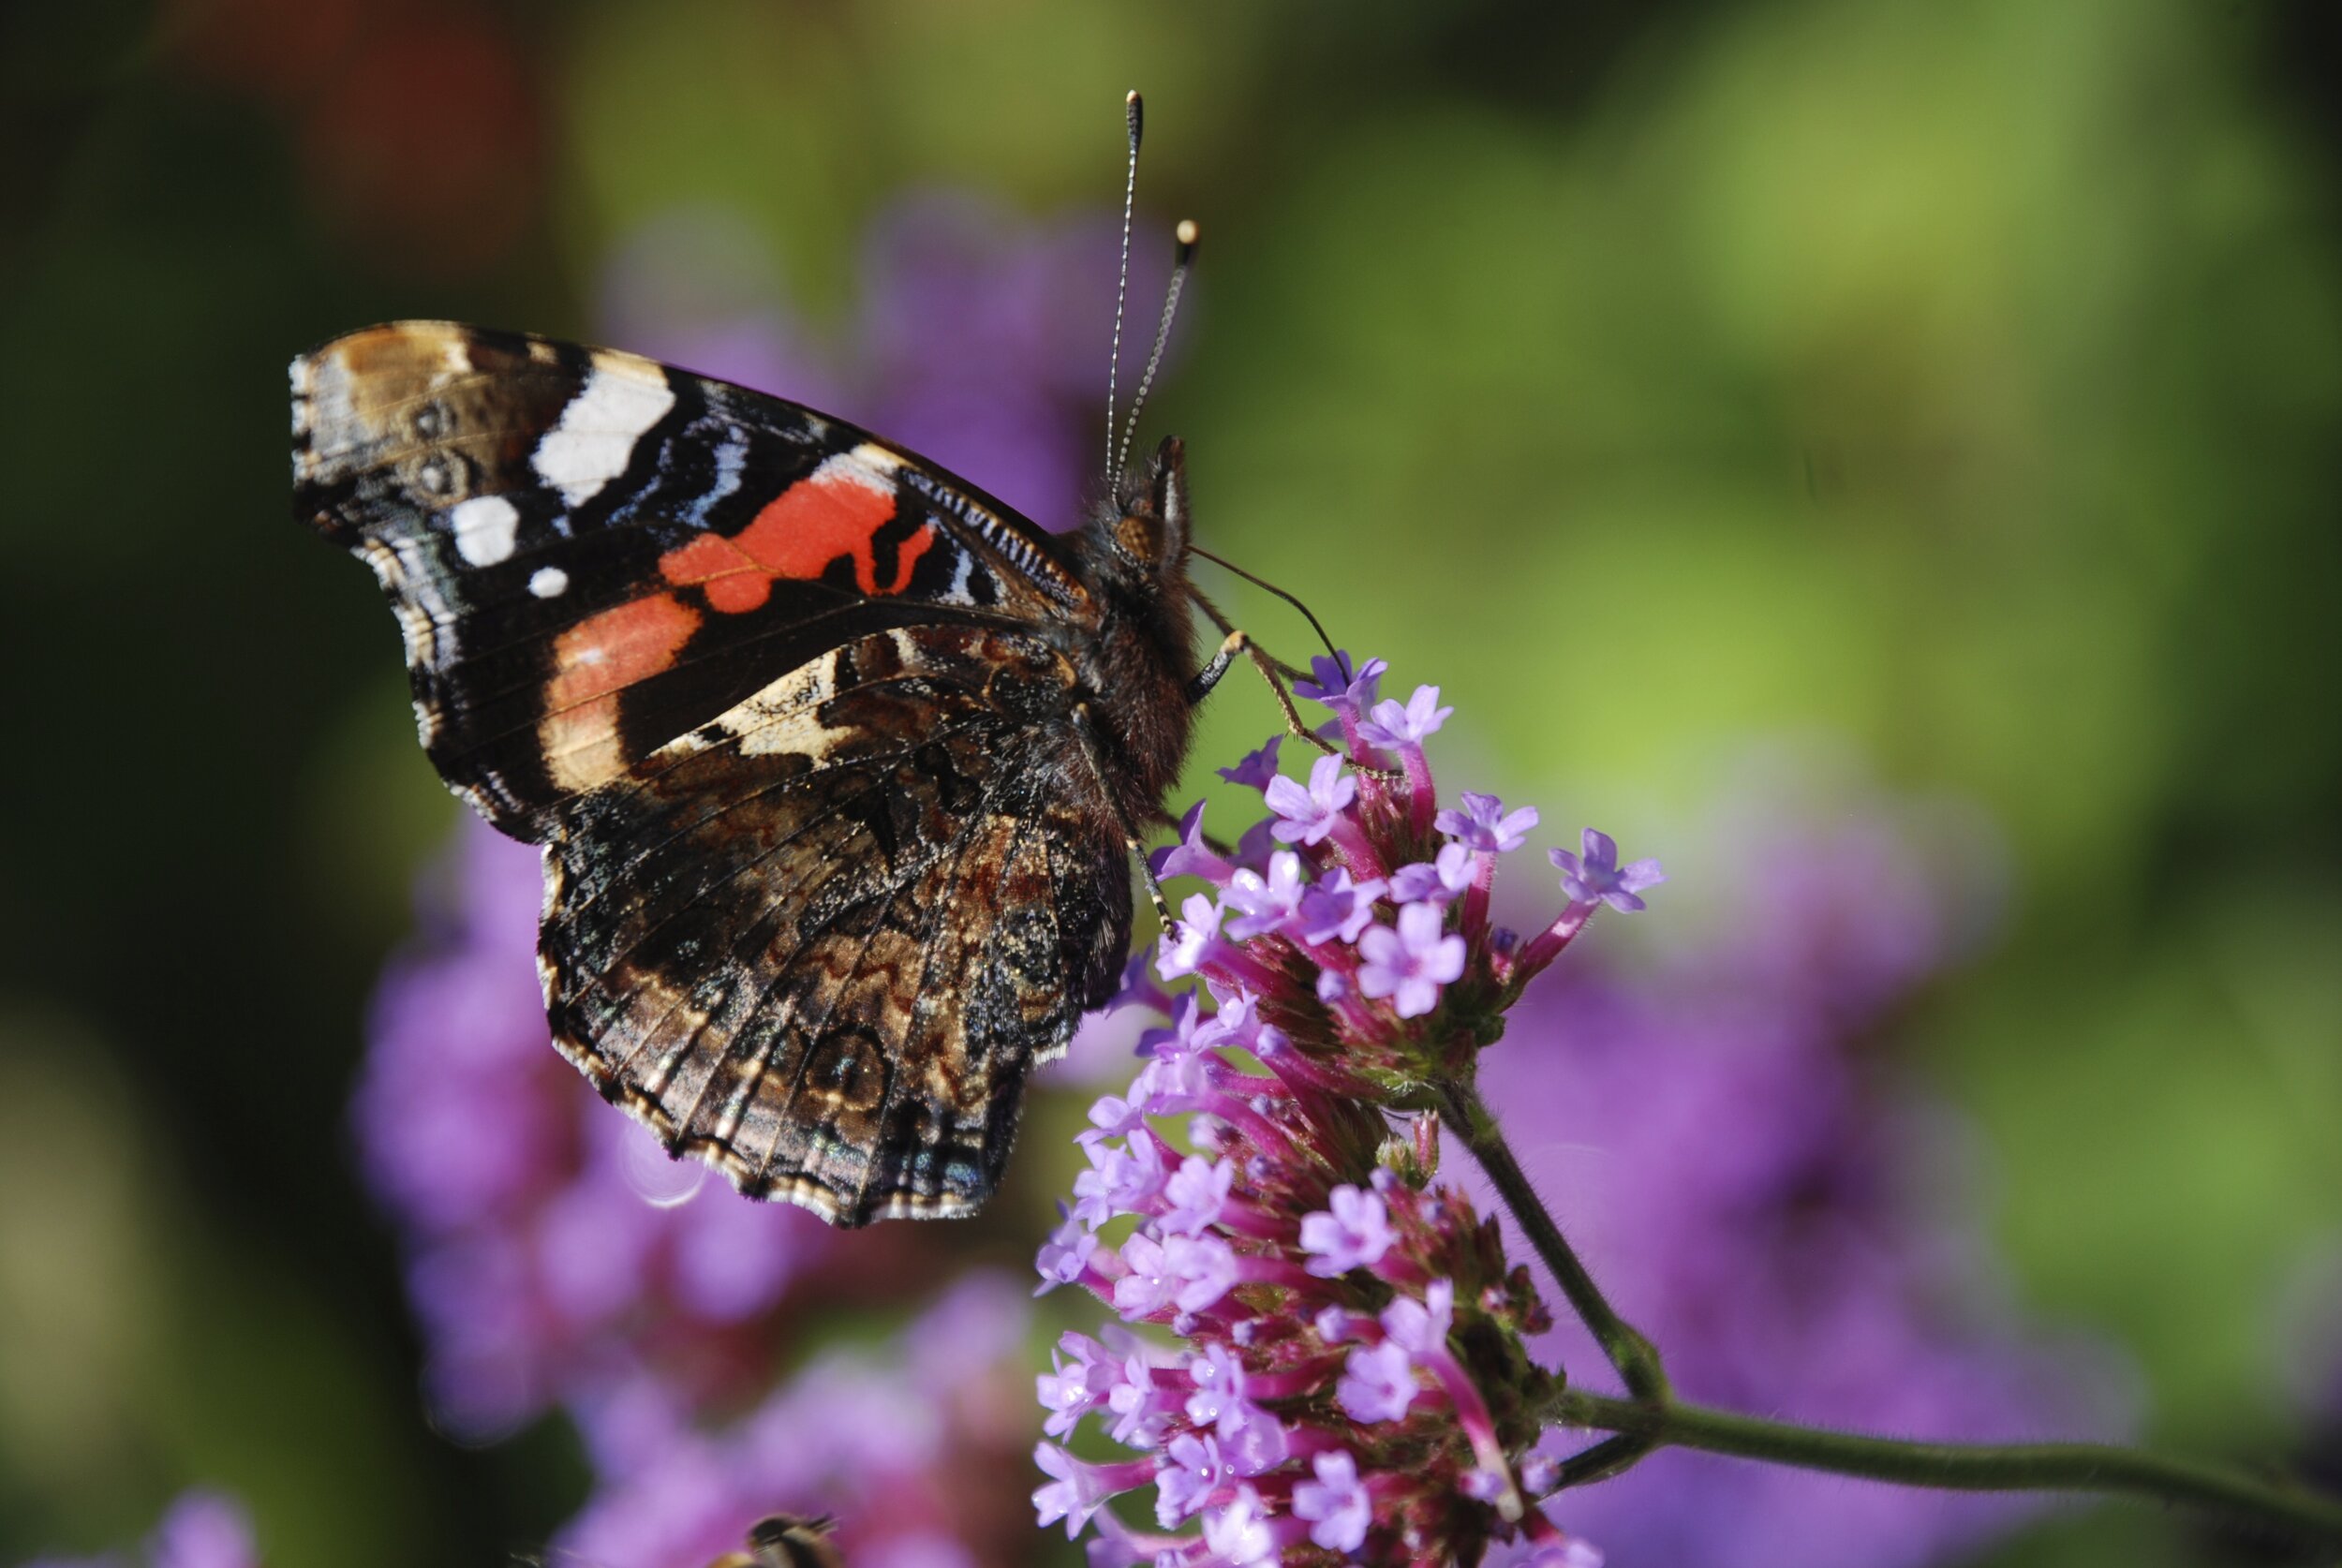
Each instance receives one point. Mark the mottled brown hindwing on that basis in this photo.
(820, 939)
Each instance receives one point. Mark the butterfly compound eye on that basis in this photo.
(1139, 535)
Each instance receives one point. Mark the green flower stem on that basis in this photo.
(1652, 1418)
(1636, 1358)
(2034, 1467)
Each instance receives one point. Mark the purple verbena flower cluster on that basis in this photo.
(1351, 1376)
(1300, 898)
(202, 1528)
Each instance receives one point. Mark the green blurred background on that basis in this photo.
(1954, 387)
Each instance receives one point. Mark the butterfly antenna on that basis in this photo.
(1263, 583)
(1187, 235)
(1134, 112)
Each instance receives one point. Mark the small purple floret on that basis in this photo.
(1335, 909)
(1189, 937)
(1151, 1284)
(1239, 1533)
(1191, 856)
(1353, 1232)
(1070, 1390)
(1420, 1327)
(1077, 1492)
(1377, 1382)
(1196, 1192)
(1203, 1268)
(1393, 725)
(1066, 1255)
(1121, 1180)
(1307, 816)
(1485, 825)
(1265, 903)
(1331, 683)
(1191, 1469)
(1598, 874)
(1442, 880)
(1335, 1503)
(1410, 965)
(1257, 768)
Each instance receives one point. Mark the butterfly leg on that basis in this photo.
(1239, 643)
(1274, 673)
(1086, 730)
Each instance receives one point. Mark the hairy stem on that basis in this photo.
(1636, 1358)
(2241, 1500)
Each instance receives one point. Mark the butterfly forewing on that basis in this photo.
(786, 706)
(590, 554)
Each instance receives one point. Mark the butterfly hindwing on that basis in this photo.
(821, 938)
(591, 554)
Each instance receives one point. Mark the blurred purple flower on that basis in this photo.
(202, 1528)
(898, 1439)
(1774, 1210)
(980, 341)
(552, 1244)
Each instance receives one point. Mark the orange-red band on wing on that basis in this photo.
(798, 535)
(595, 660)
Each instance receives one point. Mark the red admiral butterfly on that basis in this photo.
(836, 760)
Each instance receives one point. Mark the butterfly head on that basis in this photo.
(1149, 534)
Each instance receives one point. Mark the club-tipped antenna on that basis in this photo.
(1187, 235)
(1134, 115)
(1339, 662)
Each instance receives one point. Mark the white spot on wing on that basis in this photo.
(549, 582)
(591, 446)
(485, 527)
(869, 465)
